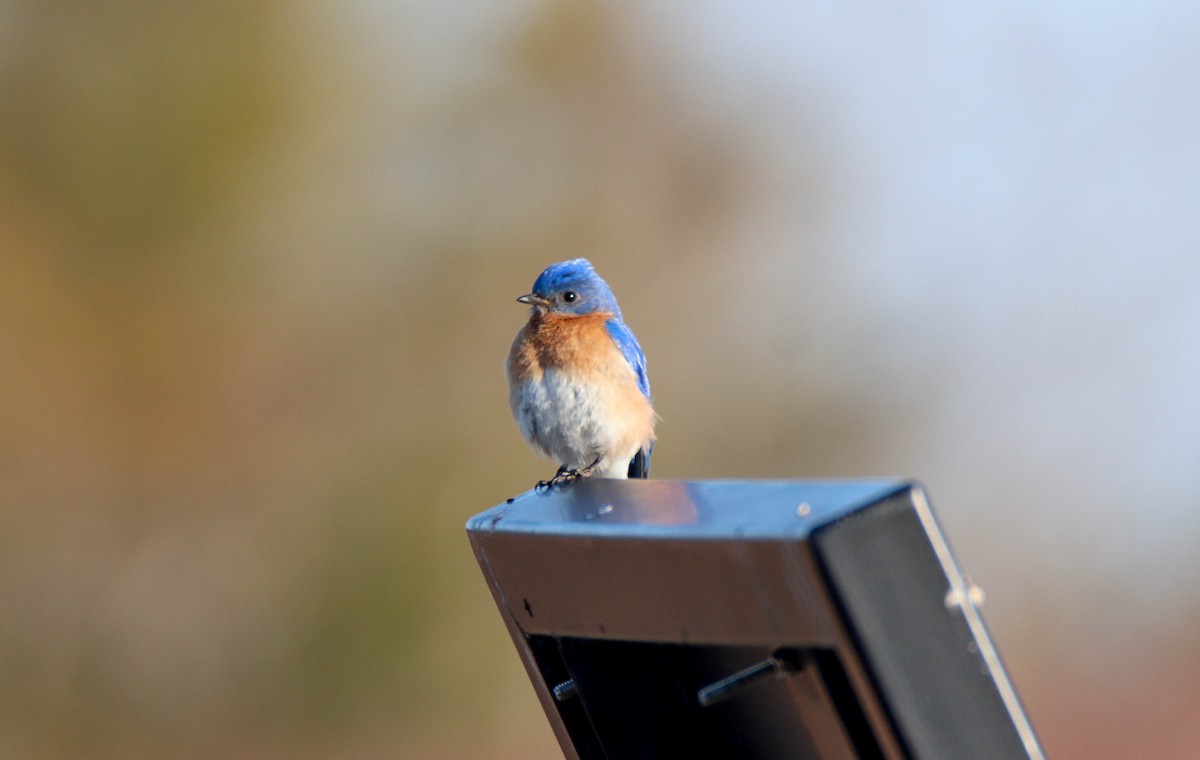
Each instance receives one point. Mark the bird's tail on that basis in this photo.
(639, 466)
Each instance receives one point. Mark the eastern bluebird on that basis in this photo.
(577, 380)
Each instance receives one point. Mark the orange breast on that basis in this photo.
(578, 345)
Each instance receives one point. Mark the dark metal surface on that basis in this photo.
(683, 509)
(644, 601)
(905, 605)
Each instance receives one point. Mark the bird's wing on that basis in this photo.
(625, 340)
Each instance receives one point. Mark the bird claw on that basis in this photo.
(565, 475)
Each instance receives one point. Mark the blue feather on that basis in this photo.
(625, 340)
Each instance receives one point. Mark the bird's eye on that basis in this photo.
(570, 296)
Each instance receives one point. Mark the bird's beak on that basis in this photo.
(533, 300)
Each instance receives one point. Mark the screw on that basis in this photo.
(565, 690)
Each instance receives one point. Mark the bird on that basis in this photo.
(577, 382)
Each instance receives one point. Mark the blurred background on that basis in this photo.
(257, 271)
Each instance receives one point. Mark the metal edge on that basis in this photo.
(960, 590)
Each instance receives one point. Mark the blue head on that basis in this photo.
(571, 288)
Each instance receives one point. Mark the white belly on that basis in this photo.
(577, 423)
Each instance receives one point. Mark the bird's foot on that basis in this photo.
(586, 472)
(566, 475)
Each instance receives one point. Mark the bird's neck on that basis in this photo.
(568, 339)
